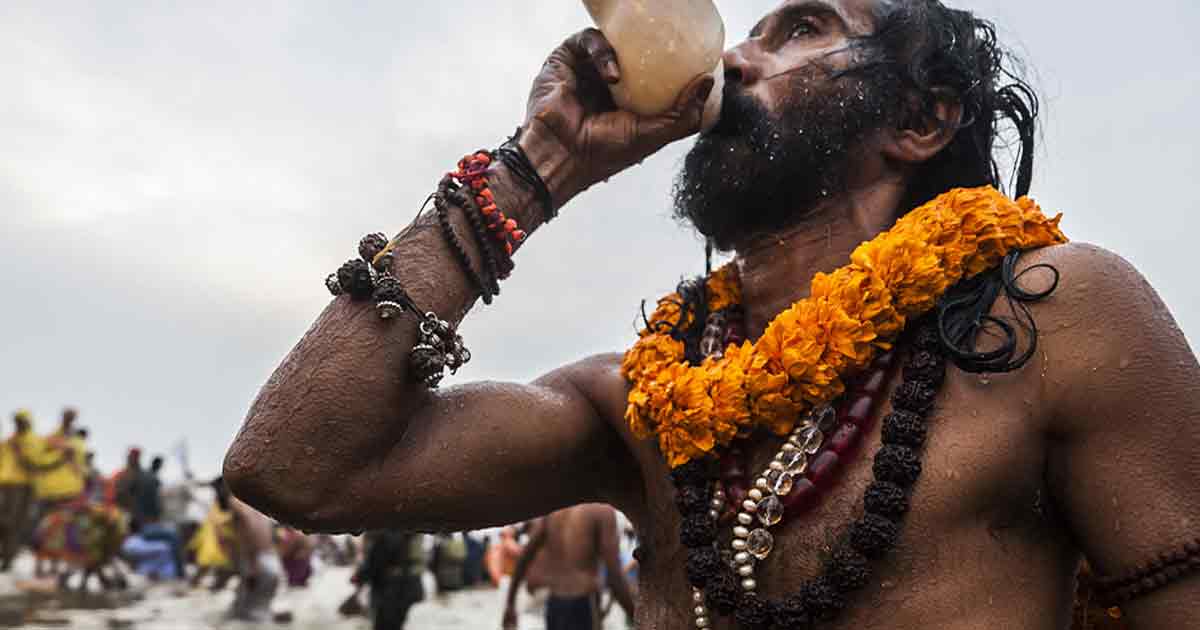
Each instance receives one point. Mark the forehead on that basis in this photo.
(858, 15)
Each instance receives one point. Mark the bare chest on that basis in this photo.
(979, 522)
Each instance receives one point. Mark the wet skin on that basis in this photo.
(570, 547)
(1089, 449)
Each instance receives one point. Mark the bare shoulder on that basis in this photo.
(1092, 279)
(1104, 328)
(1099, 296)
(598, 379)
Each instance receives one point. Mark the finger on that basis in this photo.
(696, 93)
(591, 45)
(684, 119)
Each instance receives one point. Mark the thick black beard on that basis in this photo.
(758, 173)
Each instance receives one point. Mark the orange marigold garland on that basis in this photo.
(804, 355)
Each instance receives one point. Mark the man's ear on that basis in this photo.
(926, 131)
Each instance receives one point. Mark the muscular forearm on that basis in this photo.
(343, 397)
(341, 439)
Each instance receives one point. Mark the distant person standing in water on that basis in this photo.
(392, 569)
(16, 487)
(59, 475)
(574, 544)
(257, 561)
(148, 514)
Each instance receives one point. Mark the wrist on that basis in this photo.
(552, 159)
(515, 199)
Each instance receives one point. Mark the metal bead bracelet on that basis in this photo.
(439, 347)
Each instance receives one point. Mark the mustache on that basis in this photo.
(739, 113)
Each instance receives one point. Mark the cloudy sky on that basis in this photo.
(177, 178)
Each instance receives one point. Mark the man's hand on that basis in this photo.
(574, 130)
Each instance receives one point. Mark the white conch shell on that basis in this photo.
(662, 46)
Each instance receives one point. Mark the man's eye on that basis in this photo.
(802, 29)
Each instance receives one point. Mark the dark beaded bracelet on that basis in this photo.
(460, 252)
(513, 156)
(498, 267)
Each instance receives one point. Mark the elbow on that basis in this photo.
(280, 496)
(276, 491)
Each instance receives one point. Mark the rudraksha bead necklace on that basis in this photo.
(724, 584)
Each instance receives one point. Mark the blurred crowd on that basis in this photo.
(80, 523)
(88, 529)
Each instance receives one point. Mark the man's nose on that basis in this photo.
(739, 69)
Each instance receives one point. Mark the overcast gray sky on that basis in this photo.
(177, 178)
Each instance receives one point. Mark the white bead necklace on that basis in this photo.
(764, 502)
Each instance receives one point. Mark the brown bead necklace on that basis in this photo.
(803, 471)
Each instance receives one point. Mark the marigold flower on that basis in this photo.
(805, 353)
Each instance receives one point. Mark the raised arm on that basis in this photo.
(1125, 458)
(340, 438)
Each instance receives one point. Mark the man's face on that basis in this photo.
(68, 420)
(790, 126)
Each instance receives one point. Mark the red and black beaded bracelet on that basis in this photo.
(472, 174)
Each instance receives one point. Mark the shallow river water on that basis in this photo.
(27, 604)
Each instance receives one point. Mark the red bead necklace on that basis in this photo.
(855, 414)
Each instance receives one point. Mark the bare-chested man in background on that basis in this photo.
(571, 547)
(258, 563)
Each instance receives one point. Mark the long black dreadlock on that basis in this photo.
(936, 52)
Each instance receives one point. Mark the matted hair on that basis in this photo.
(938, 53)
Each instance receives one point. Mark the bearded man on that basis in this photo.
(844, 121)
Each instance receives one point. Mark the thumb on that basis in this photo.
(685, 117)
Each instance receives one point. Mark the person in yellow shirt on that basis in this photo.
(62, 462)
(215, 543)
(59, 466)
(16, 487)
